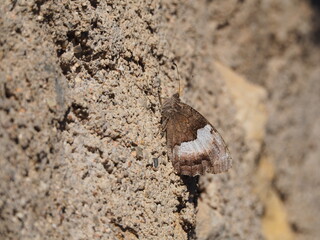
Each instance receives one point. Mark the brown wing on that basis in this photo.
(195, 146)
(183, 125)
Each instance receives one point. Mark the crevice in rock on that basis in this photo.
(125, 229)
(80, 112)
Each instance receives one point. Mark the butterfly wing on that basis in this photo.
(195, 146)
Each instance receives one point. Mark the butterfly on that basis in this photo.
(194, 146)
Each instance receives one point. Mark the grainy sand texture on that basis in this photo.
(80, 118)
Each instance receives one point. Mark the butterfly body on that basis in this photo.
(194, 145)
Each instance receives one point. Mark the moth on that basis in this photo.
(194, 146)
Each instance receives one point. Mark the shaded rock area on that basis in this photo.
(82, 153)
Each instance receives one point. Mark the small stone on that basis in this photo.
(139, 151)
(155, 162)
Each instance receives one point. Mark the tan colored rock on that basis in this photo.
(250, 101)
(275, 224)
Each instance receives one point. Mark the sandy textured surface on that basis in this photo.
(80, 118)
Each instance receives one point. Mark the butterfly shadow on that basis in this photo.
(192, 184)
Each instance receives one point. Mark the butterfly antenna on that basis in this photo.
(159, 96)
(179, 92)
(159, 88)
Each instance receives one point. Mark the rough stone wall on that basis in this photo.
(80, 118)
